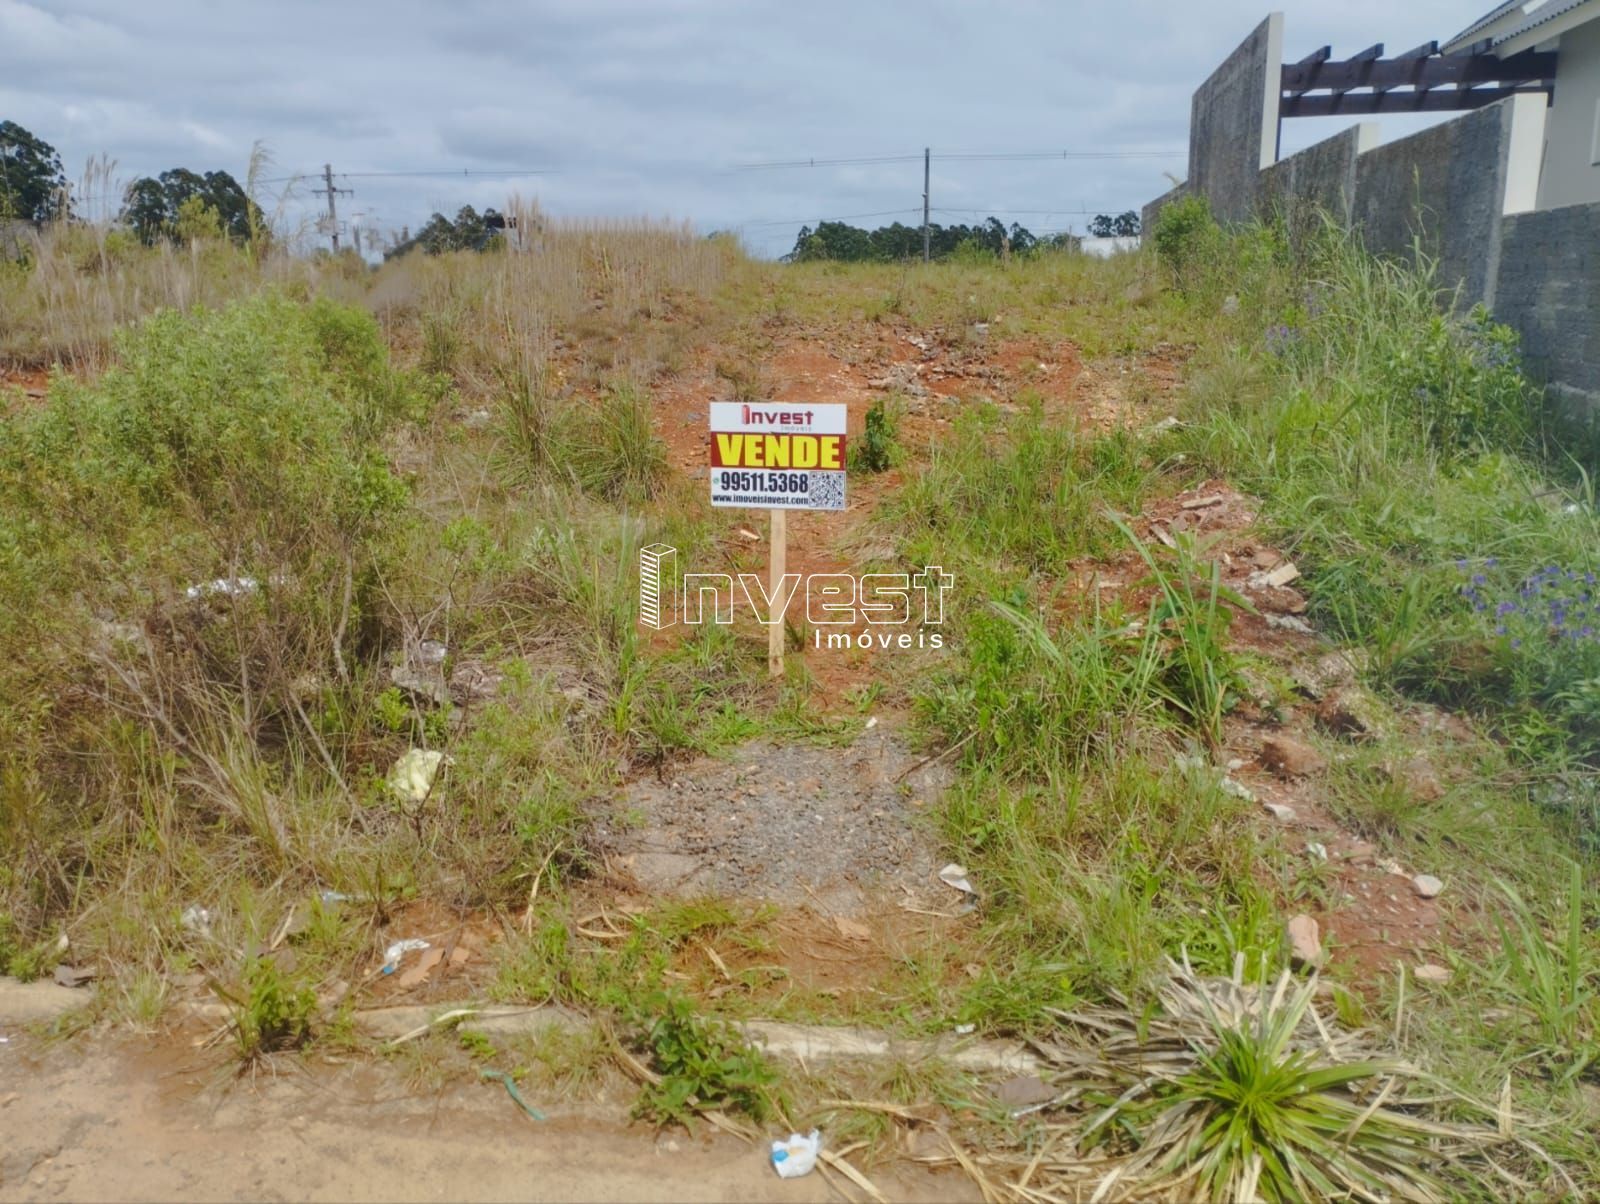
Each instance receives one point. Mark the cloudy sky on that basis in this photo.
(653, 106)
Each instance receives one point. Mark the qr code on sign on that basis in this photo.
(827, 491)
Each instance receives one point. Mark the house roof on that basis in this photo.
(1522, 24)
(1470, 33)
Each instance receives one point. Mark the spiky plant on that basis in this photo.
(1262, 1115)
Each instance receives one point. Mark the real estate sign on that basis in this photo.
(777, 457)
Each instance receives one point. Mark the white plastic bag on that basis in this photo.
(797, 1156)
(412, 775)
(398, 950)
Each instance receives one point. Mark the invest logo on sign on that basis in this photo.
(887, 603)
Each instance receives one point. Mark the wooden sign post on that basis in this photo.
(777, 457)
(777, 567)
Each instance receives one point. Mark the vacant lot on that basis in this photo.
(1260, 736)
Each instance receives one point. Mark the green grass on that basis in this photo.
(1024, 494)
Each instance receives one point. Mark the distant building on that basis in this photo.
(1105, 248)
(1569, 167)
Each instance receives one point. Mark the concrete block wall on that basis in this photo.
(1443, 189)
(1320, 177)
(1233, 123)
(1548, 290)
(1148, 215)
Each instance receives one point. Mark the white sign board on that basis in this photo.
(771, 456)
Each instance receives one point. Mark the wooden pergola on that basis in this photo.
(1419, 81)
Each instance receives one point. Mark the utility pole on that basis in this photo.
(925, 158)
(330, 192)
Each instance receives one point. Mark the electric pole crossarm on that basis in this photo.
(330, 192)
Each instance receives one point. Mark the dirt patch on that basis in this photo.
(97, 1121)
(22, 386)
(1372, 918)
(797, 824)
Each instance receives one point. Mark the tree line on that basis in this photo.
(176, 204)
(845, 243)
(181, 204)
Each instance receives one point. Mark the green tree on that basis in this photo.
(471, 231)
(844, 243)
(32, 183)
(152, 208)
(1123, 225)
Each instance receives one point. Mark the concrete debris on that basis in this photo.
(196, 919)
(1426, 886)
(809, 1044)
(1238, 790)
(900, 378)
(32, 1002)
(1290, 623)
(74, 976)
(473, 681)
(223, 587)
(1283, 574)
(1281, 812)
(1023, 1092)
(427, 684)
(1305, 940)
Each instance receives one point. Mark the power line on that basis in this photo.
(965, 157)
(462, 171)
(828, 162)
(1041, 155)
(846, 217)
(1045, 212)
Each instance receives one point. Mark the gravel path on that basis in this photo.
(791, 824)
